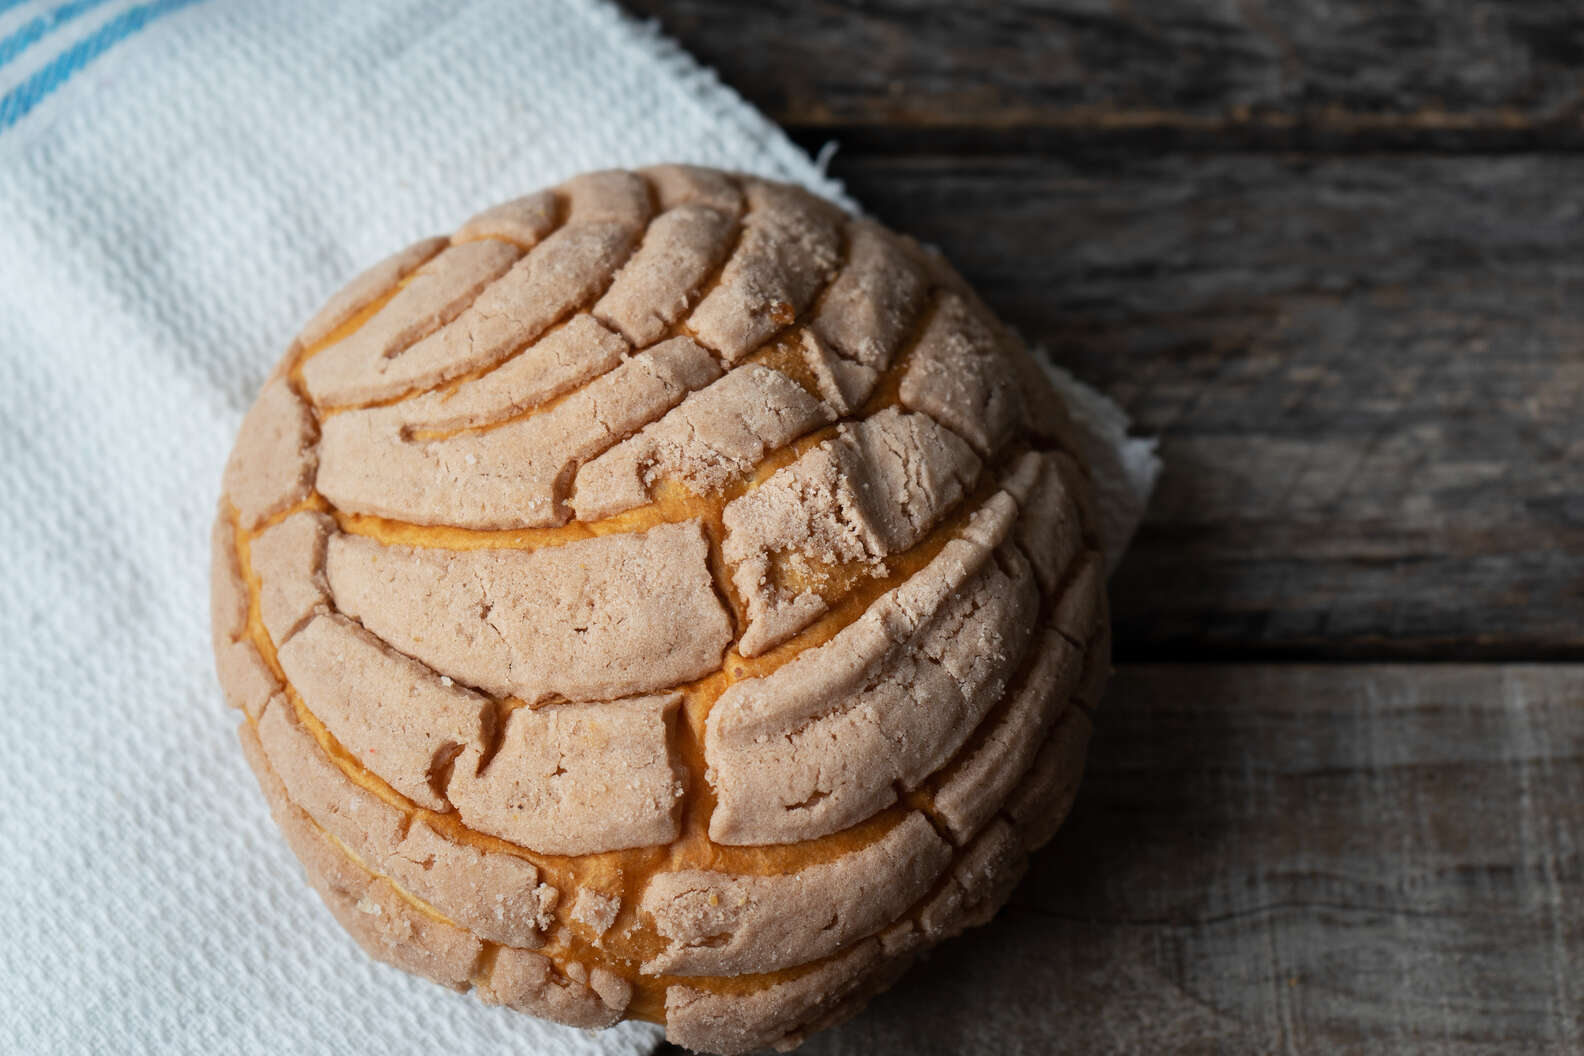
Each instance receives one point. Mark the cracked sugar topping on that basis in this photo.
(667, 597)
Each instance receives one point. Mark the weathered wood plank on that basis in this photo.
(1368, 374)
(1272, 859)
(1001, 75)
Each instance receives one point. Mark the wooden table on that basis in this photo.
(1333, 255)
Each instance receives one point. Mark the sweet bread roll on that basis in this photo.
(667, 597)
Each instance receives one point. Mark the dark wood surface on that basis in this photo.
(1332, 254)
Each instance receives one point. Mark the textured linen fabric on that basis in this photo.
(181, 184)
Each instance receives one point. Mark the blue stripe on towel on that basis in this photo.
(16, 103)
(38, 28)
(6, 5)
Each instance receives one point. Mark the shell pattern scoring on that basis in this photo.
(667, 597)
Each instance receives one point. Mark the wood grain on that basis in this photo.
(1368, 374)
(1275, 72)
(1285, 859)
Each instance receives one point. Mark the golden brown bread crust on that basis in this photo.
(668, 597)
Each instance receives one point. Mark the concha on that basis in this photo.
(666, 597)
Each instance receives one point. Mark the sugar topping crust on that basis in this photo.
(665, 597)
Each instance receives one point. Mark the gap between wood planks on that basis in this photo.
(1149, 132)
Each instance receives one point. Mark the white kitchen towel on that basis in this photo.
(181, 183)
